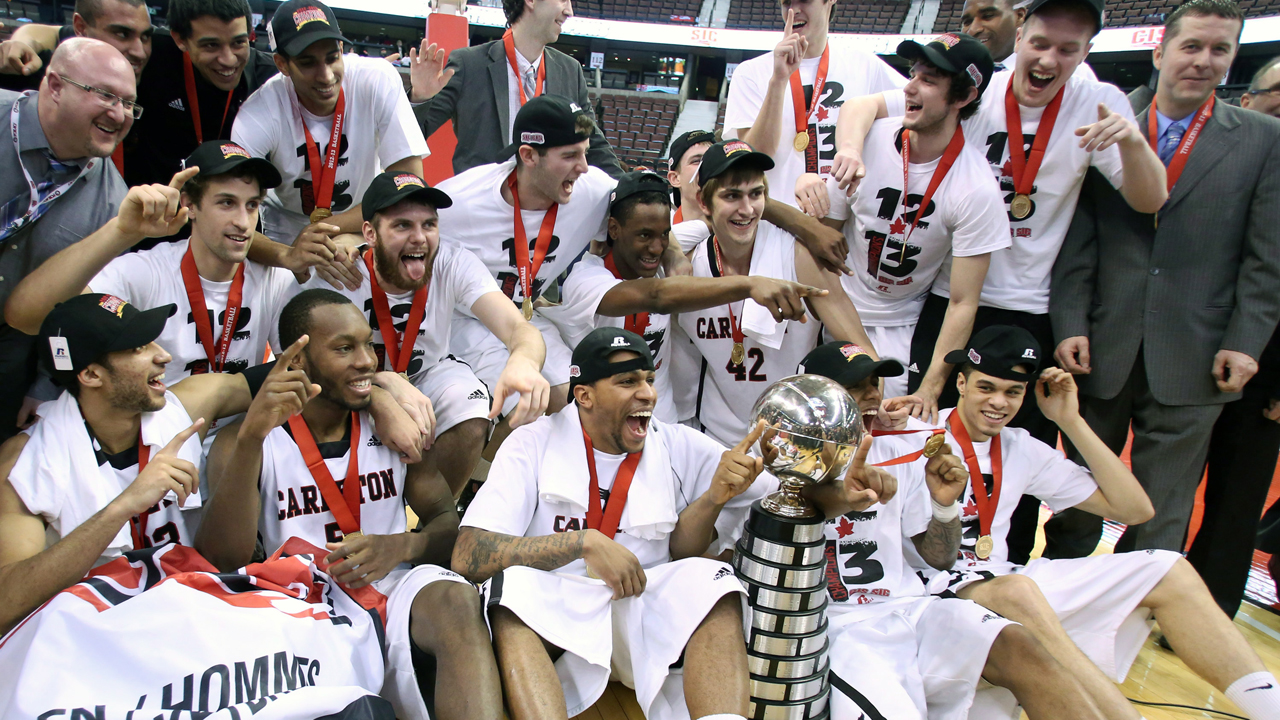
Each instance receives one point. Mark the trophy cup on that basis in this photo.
(812, 429)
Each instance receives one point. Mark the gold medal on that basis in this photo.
(933, 445)
(352, 535)
(738, 355)
(592, 574)
(1020, 208)
(801, 142)
(526, 307)
(320, 213)
(983, 547)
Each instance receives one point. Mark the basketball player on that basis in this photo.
(327, 143)
(563, 576)
(112, 464)
(686, 157)
(896, 651)
(1087, 609)
(731, 352)
(1070, 124)
(786, 103)
(413, 287)
(929, 206)
(619, 283)
(995, 23)
(272, 482)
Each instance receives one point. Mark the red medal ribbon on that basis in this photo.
(1026, 166)
(509, 42)
(391, 340)
(323, 176)
(637, 323)
(607, 521)
(909, 457)
(194, 101)
(139, 522)
(678, 217)
(1179, 160)
(200, 312)
(944, 166)
(525, 268)
(738, 336)
(803, 112)
(344, 503)
(986, 505)
(117, 157)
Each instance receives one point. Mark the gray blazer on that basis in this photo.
(478, 93)
(1207, 279)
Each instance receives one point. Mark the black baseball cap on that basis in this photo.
(391, 187)
(218, 157)
(1095, 8)
(547, 121)
(81, 330)
(636, 182)
(299, 23)
(591, 357)
(996, 351)
(956, 53)
(847, 364)
(681, 145)
(728, 153)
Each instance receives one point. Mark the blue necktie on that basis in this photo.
(1172, 138)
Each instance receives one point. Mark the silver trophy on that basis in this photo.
(812, 430)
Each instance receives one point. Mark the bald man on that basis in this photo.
(56, 183)
(1263, 94)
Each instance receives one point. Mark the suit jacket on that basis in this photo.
(1207, 279)
(478, 92)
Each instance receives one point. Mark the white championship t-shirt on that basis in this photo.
(850, 73)
(965, 217)
(379, 129)
(1018, 278)
(458, 280)
(152, 278)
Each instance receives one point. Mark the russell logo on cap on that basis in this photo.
(532, 138)
(1029, 354)
(406, 179)
(111, 303)
(232, 149)
(308, 14)
(620, 342)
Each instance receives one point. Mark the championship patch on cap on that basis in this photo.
(308, 14)
(532, 138)
(407, 179)
(851, 351)
(974, 74)
(736, 147)
(575, 371)
(232, 150)
(974, 357)
(111, 303)
(950, 40)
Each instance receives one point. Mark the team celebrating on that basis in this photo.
(357, 446)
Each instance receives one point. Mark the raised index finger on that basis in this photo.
(1103, 111)
(181, 438)
(182, 176)
(286, 358)
(786, 29)
(750, 439)
(860, 457)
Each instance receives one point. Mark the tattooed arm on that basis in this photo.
(946, 477)
(939, 545)
(480, 554)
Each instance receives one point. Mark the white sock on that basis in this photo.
(722, 716)
(1258, 695)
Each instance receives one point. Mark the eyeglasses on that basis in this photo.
(1275, 91)
(109, 99)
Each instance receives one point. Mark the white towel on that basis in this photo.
(57, 474)
(650, 512)
(773, 256)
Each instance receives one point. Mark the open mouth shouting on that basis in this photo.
(155, 383)
(1040, 80)
(638, 424)
(414, 264)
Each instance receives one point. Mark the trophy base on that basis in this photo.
(776, 528)
(784, 504)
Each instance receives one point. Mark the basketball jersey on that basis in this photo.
(725, 392)
(292, 505)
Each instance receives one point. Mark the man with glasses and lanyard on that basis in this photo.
(1263, 94)
(55, 185)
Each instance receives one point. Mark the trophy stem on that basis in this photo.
(788, 502)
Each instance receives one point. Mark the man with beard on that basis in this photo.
(995, 23)
(272, 477)
(414, 285)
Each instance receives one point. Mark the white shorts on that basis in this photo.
(893, 343)
(456, 394)
(471, 342)
(637, 639)
(920, 658)
(401, 586)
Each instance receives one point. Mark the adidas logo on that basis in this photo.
(177, 105)
(476, 395)
(373, 442)
(722, 572)
(913, 368)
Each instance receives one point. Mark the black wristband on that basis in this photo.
(257, 375)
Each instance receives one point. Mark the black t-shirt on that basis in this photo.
(165, 134)
(20, 83)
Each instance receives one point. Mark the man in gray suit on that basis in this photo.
(1165, 316)
(483, 86)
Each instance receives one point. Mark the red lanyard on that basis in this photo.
(944, 166)
(323, 176)
(528, 269)
(738, 337)
(398, 349)
(986, 505)
(139, 522)
(117, 157)
(607, 521)
(678, 217)
(509, 42)
(637, 323)
(1027, 166)
(1179, 160)
(194, 101)
(200, 312)
(344, 503)
(806, 138)
(930, 448)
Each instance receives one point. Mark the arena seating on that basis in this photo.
(657, 11)
(863, 16)
(949, 12)
(638, 128)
